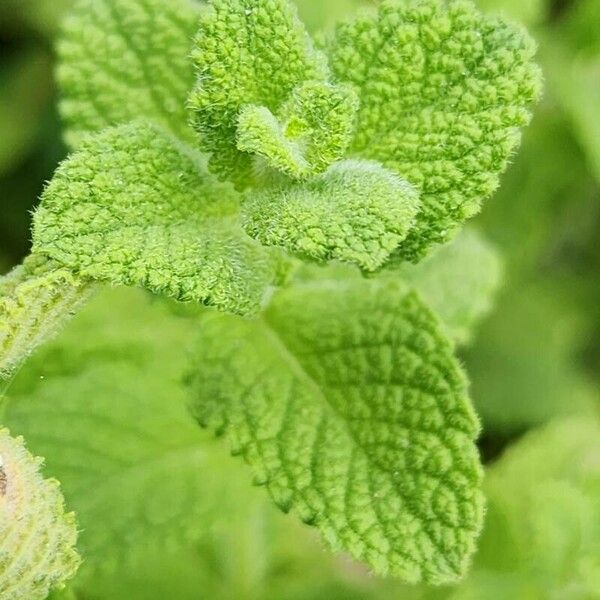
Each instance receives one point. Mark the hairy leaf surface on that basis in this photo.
(348, 404)
(132, 207)
(443, 91)
(36, 299)
(121, 60)
(163, 511)
(356, 212)
(37, 537)
(314, 129)
(247, 52)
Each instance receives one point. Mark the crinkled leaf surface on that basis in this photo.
(36, 299)
(347, 402)
(443, 91)
(121, 60)
(356, 212)
(37, 537)
(133, 207)
(315, 129)
(163, 511)
(458, 281)
(247, 52)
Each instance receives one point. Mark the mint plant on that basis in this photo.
(219, 154)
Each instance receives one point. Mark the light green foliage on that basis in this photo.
(315, 129)
(133, 207)
(37, 538)
(347, 402)
(443, 91)
(126, 59)
(356, 212)
(542, 534)
(529, 12)
(246, 53)
(163, 512)
(577, 85)
(458, 281)
(103, 405)
(36, 298)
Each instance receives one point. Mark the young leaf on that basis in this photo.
(458, 281)
(36, 298)
(347, 402)
(121, 60)
(247, 52)
(133, 207)
(356, 212)
(443, 91)
(37, 538)
(316, 128)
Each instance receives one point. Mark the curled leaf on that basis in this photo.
(356, 212)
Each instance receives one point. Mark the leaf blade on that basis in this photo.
(355, 212)
(36, 300)
(152, 77)
(444, 91)
(339, 451)
(132, 207)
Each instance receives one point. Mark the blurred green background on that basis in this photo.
(535, 359)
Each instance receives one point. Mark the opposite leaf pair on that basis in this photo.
(378, 155)
(344, 396)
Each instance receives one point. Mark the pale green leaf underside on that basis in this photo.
(121, 60)
(313, 131)
(246, 53)
(37, 537)
(356, 212)
(132, 207)
(458, 281)
(350, 407)
(36, 299)
(443, 91)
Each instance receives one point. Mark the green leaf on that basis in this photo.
(121, 60)
(247, 52)
(315, 131)
(36, 299)
(443, 91)
(458, 281)
(133, 207)
(347, 402)
(163, 512)
(37, 537)
(104, 405)
(542, 534)
(357, 212)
